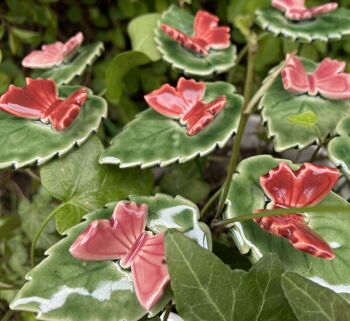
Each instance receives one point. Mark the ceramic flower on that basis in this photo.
(185, 103)
(296, 10)
(54, 54)
(305, 187)
(328, 80)
(124, 238)
(207, 34)
(38, 100)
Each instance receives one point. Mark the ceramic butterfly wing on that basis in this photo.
(305, 187)
(53, 54)
(149, 262)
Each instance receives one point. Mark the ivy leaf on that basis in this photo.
(64, 288)
(246, 195)
(153, 139)
(84, 185)
(312, 302)
(118, 68)
(141, 33)
(66, 72)
(207, 289)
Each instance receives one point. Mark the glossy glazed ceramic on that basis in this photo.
(185, 103)
(328, 80)
(296, 10)
(207, 34)
(123, 237)
(306, 186)
(53, 54)
(39, 101)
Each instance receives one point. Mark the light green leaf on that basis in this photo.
(308, 119)
(25, 142)
(141, 33)
(153, 139)
(64, 288)
(206, 289)
(312, 302)
(246, 196)
(84, 185)
(118, 68)
(66, 72)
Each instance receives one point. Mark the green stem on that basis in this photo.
(328, 209)
(167, 312)
(314, 155)
(211, 200)
(7, 315)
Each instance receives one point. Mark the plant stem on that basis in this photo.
(7, 315)
(313, 157)
(211, 200)
(32, 174)
(167, 312)
(329, 209)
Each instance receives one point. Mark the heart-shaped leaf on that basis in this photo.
(64, 288)
(216, 61)
(141, 33)
(339, 147)
(246, 196)
(330, 26)
(65, 73)
(312, 302)
(83, 185)
(152, 139)
(299, 120)
(207, 289)
(25, 142)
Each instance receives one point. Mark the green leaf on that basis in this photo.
(246, 196)
(216, 61)
(25, 142)
(34, 213)
(339, 147)
(141, 33)
(312, 302)
(84, 185)
(66, 72)
(331, 26)
(26, 36)
(185, 180)
(207, 289)
(64, 288)
(118, 68)
(152, 139)
(291, 119)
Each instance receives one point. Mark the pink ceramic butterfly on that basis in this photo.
(185, 103)
(305, 187)
(328, 80)
(207, 34)
(123, 237)
(53, 54)
(39, 100)
(296, 10)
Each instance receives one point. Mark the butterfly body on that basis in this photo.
(39, 101)
(185, 103)
(328, 80)
(296, 10)
(53, 54)
(207, 34)
(123, 237)
(305, 187)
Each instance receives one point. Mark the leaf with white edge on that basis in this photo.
(339, 147)
(83, 185)
(312, 302)
(153, 139)
(26, 142)
(66, 72)
(141, 33)
(299, 120)
(120, 65)
(325, 27)
(206, 289)
(246, 196)
(216, 61)
(64, 288)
